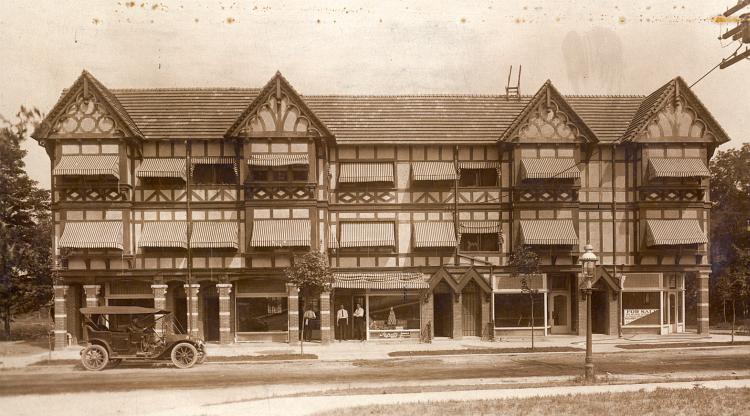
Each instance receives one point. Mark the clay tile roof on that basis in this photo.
(607, 116)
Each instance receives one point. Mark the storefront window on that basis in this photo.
(513, 310)
(262, 314)
(640, 308)
(393, 316)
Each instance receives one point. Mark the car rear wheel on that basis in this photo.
(94, 357)
(184, 355)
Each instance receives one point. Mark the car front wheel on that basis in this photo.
(184, 355)
(94, 357)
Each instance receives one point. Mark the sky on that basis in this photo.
(369, 47)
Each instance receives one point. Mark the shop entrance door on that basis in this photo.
(472, 310)
(672, 306)
(443, 313)
(559, 306)
(599, 311)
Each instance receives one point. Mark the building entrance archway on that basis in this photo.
(443, 310)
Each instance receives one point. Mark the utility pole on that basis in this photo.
(741, 33)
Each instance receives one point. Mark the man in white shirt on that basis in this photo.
(342, 322)
(308, 316)
(359, 323)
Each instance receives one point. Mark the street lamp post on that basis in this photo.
(588, 262)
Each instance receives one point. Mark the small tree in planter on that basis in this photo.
(733, 287)
(524, 264)
(311, 273)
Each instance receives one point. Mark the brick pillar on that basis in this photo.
(92, 295)
(428, 313)
(326, 330)
(614, 312)
(293, 308)
(458, 327)
(61, 317)
(225, 314)
(486, 306)
(191, 292)
(703, 303)
(160, 302)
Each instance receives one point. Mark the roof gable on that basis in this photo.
(673, 113)
(278, 111)
(87, 109)
(548, 118)
(473, 275)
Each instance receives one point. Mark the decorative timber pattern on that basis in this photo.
(547, 195)
(365, 197)
(161, 195)
(213, 194)
(672, 195)
(85, 115)
(548, 122)
(265, 193)
(676, 119)
(94, 194)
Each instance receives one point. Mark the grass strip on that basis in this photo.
(681, 345)
(470, 351)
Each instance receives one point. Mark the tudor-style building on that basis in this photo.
(195, 200)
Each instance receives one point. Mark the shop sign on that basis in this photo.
(394, 334)
(631, 315)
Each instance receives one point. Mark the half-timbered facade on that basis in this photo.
(196, 200)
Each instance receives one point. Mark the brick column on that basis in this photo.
(486, 306)
(160, 302)
(225, 314)
(191, 292)
(458, 322)
(428, 313)
(92, 295)
(326, 330)
(702, 306)
(61, 317)
(293, 310)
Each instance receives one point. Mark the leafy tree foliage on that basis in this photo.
(310, 272)
(25, 226)
(730, 219)
(523, 262)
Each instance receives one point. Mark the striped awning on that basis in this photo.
(88, 165)
(164, 234)
(434, 234)
(478, 165)
(92, 234)
(333, 242)
(214, 160)
(214, 234)
(433, 171)
(366, 172)
(549, 168)
(367, 234)
(280, 233)
(479, 227)
(548, 233)
(163, 168)
(278, 159)
(379, 280)
(674, 232)
(677, 168)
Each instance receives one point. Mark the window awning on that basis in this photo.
(434, 234)
(379, 280)
(92, 234)
(479, 227)
(278, 159)
(214, 160)
(677, 168)
(433, 171)
(367, 234)
(164, 234)
(88, 165)
(214, 234)
(366, 172)
(674, 232)
(280, 233)
(549, 168)
(478, 165)
(548, 232)
(163, 168)
(333, 242)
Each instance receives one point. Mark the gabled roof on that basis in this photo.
(473, 275)
(88, 84)
(657, 100)
(274, 86)
(549, 93)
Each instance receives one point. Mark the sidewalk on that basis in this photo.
(378, 350)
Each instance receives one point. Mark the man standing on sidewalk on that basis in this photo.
(342, 322)
(308, 316)
(359, 323)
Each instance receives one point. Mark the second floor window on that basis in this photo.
(480, 242)
(478, 177)
(294, 173)
(206, 174)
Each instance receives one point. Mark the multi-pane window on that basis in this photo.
(206, 174)
(294, 173)
(478, 177)
(480, 242)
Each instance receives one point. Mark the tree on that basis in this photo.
(311, 273)
(730, 215)
(524, 264)
(733, 287)
(25, 226)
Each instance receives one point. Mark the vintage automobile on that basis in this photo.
(131, 333)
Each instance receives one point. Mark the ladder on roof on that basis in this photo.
(513, 91)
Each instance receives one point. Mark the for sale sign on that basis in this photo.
(632, 315)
